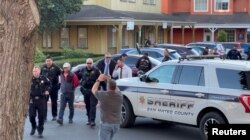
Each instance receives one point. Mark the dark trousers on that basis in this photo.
(67, 98)
(37, 106)
(53, 97)
(91, 102)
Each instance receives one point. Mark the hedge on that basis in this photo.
(73, 61)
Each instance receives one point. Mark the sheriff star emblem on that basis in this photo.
(142, 99)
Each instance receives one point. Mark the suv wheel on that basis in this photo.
(208, 119)
(128, 117)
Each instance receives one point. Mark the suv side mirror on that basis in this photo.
(143, 78)
(147, 79)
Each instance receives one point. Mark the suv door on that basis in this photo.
(189, 93)
(154, 94)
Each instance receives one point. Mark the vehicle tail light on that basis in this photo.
(245, 100)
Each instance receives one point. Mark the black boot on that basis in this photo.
(40, 135)
(33, 130)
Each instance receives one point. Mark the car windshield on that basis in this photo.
(174, 55)
(229, 46)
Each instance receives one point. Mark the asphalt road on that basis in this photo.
(144, 129)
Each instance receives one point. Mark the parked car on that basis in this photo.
(195, 92)
(157, 53)
(245, 47)
(211, 46)
(197, 49)
(180, 49)
(130, 61)
(229, 45)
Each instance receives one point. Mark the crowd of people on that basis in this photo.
(96, 84)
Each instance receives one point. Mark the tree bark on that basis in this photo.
(19, 20)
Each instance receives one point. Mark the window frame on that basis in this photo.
(86, 29)
(112, 37)
(179, 73)
(68, 37)
(173, 76)
(201, 10)
(46, 35)
(222, 85)
(221, 10)
(149, 2)
(235, 37)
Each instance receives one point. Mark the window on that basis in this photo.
(222, 5)
(47, 40)
(150, 2)
(82, 38)
(160, 36)
(125, 38)
(132, 1)
(65, 37)
(200, 5)
(153, 54)
(192, 75)
(131, 61)
(134, 52)
(228, 78)
(112, 37)
(163, 74)
(248, 37)
(230, 35)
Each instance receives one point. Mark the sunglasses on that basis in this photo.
(108, 57)
(89, 63)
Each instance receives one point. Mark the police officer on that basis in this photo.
(234, 54)
(52, 72)
(40, 87)
(88, 76)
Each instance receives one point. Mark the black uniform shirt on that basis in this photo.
(51, 73)
(39, 86)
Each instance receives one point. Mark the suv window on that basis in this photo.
(228, 78)
(163, 74)
(152, 54)
(131, 61)
(192, 75)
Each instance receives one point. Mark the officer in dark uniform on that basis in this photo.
(234, 54)
(52, 72)
(88, 76)
(40, 87)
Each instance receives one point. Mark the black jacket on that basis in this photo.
(101, 66)
(39, 86)
(51, 73)
(88, 77)
(234, 55)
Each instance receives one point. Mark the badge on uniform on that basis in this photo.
(42, 82)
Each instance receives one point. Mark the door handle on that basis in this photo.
(199, 95)
(164, 91)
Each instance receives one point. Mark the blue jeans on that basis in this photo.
(107, 131)
(66, 98)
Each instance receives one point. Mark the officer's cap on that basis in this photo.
(66, 65)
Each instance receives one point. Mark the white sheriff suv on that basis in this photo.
(193, 92)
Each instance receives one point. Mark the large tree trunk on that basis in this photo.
(18, 24)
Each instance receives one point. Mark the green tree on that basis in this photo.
(54, 12)
(222, 36)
